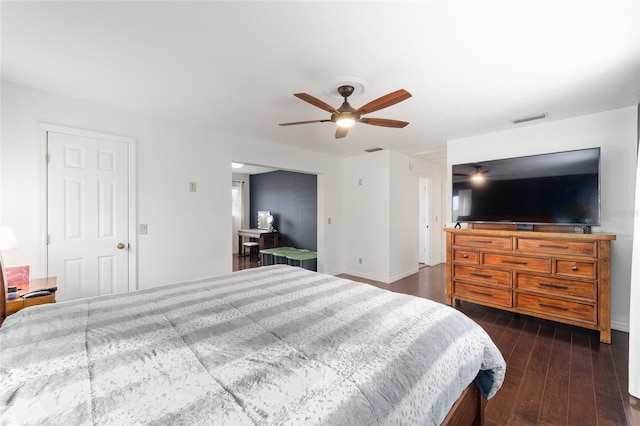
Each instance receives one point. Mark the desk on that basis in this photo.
(18, 303)
(259, 234)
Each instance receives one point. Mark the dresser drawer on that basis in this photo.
(466, 256)
(485, 275)
(581, 248)
(576, 269)
(484, 294)
(536, 264)
(583, 312)
(503, 243)
(555, 286)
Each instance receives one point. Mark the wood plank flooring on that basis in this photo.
(244, 262)
(556, 374)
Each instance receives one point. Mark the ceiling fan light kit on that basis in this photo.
(346, 116)
(345, 122)
(477, 177)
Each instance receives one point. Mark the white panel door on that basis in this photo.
(424, 227)
(87, 183)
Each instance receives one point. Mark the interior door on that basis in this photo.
(87, 216)
(424, 255)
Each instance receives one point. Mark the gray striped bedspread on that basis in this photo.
(274, 345)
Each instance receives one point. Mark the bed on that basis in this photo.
(270, 345)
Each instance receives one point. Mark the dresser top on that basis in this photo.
(533, 234)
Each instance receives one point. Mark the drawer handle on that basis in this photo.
(465, 256)
(481, 293)
(563, 287)
(574, 268)
(481, 241)
(475, 274)
(552, 246)
(558, 308)
(515, 262)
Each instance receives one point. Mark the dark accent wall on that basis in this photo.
(292, 199)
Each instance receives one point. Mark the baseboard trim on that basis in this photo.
(387, 280)
(620, 326)
(403, 275)
(365, 276)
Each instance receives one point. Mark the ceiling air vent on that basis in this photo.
(373, 149)
(530, 118)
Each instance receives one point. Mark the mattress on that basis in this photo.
(270, 345)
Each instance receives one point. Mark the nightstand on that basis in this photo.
(18, 303)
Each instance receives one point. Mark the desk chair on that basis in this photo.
(253, 249)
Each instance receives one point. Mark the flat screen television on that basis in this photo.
(560, 188)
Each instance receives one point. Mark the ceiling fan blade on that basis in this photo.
(341, 132)
(384, 101)
(384, 122)
(316, 102)
(303, 122)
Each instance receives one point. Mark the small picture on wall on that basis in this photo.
(18, 274)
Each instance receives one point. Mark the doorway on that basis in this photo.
(424, 224)
(291, 198)
(90, 212)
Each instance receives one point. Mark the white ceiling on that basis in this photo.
(234, 66)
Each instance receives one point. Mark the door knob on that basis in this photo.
(121, 246)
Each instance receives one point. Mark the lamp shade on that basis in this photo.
(8, 239)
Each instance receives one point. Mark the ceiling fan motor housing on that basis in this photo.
(345, 91)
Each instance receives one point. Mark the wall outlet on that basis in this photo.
(329, 221)
(193, 187)
(143, 229)
(360, 182)
(360, 260)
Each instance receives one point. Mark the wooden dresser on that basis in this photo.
(563, 277)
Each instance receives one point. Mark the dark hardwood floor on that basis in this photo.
(556, 374)
(244, 262)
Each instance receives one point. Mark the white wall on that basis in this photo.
(367, 215)
(189, 233)
(403, 226)
(634, 311)
(381, 216)
(613, 131)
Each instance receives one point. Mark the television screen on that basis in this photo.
(556, 188)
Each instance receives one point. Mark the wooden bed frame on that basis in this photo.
(467, 411)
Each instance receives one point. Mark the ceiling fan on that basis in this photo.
(478, 175)
(346, 116)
